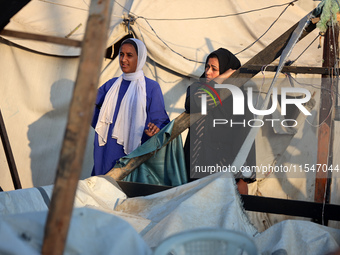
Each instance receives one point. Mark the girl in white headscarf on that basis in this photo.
(129, 109)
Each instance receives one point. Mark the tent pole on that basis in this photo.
(77, 129)
(9, 155)
(41, 38)
(326, 118)
(182, 122)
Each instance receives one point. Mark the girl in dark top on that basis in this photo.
(207, 145)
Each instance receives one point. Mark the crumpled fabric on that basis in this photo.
(166, 167)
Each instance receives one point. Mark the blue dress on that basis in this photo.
(105, 157)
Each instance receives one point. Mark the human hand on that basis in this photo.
(222, 77)
(242, 187)
(152, 129)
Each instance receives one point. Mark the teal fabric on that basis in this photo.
(166, 167)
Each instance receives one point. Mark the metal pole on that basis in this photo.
(326, 118)
(9, 154)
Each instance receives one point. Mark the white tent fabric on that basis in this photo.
(209, 202)
(39, 78)
(182, 26)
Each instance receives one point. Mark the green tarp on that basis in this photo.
(166, 167)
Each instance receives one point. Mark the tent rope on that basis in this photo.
(131, 15)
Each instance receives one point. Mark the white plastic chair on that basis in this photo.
(210, 241)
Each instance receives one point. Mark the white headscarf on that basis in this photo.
(131, 118)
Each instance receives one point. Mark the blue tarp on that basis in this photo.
(166, 167)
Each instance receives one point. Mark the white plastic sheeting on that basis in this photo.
(91, 232)
(101, 192)
(298, 237)
(209, 202)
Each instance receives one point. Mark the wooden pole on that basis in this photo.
(182, 122)
(326, 117)
(80, 113)
(9, 155)
(41, 38)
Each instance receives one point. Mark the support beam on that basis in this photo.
(41, 38)
(77, 129)
(326, 117)
(9, 155)
(290, 207)
(182, 122)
